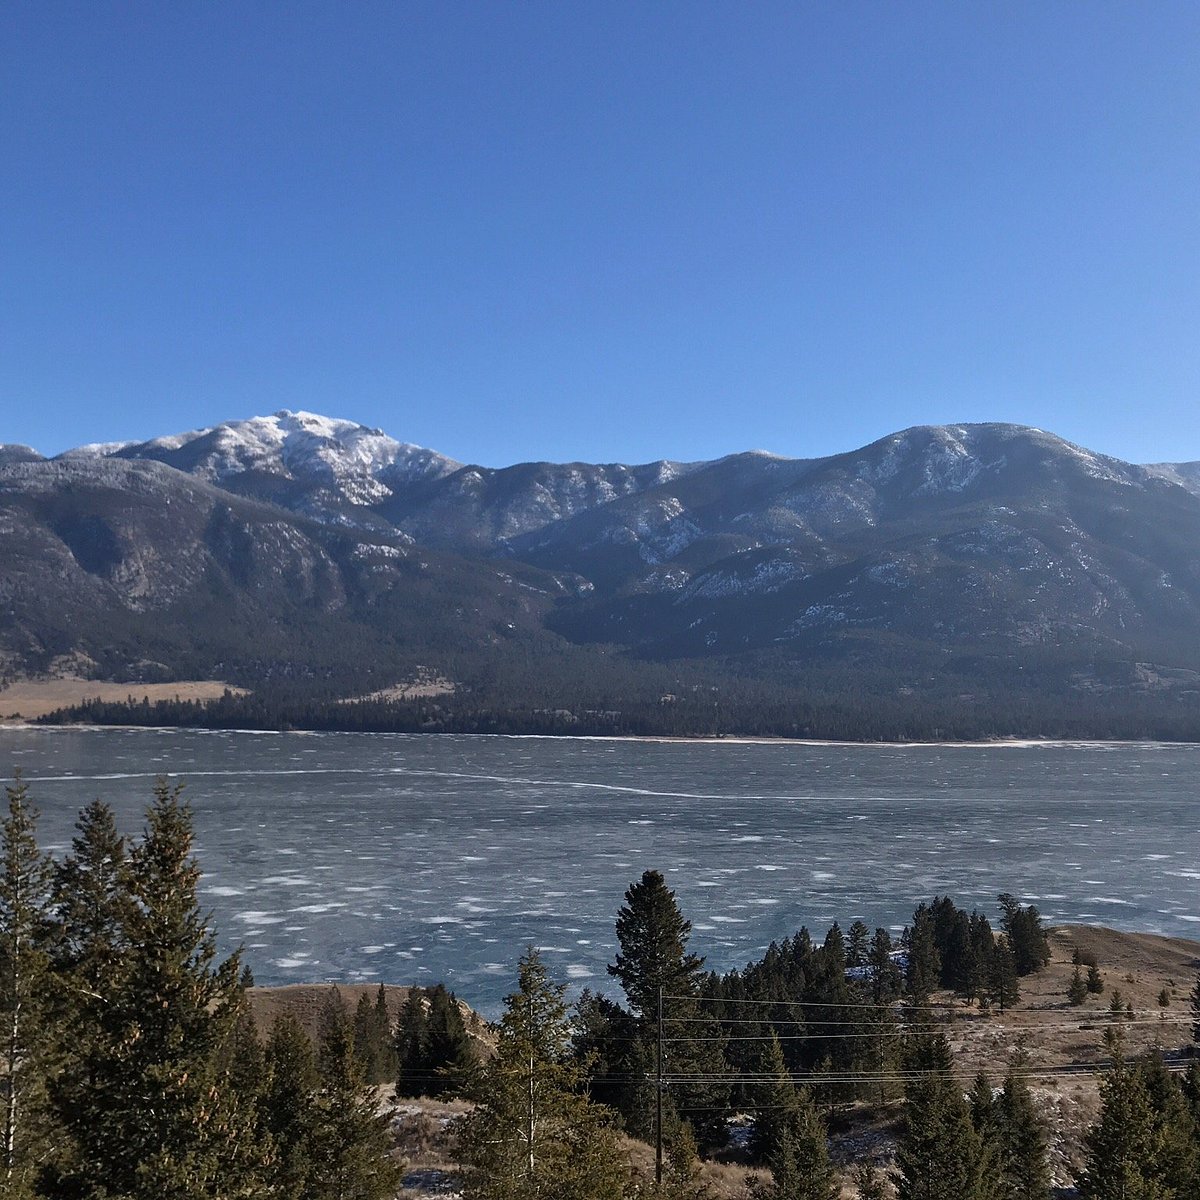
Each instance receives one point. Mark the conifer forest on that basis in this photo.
(134, 1066)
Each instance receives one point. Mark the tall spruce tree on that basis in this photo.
(533, 1134)
(799, 1160)
(1024, 1168)
(91, 905)
(289, 1109)
(1003, 987)
(886, 981)
(413, 1070)
(1177, 1166)
(373, 1043)
(858, 944)
(924, 963)
(349, 1148)
(452, 1057)
(385, 1059)
(776, 1101)
(939, 1153)
(26, 1032)
(653, 954)
(1122, 1148)
(152, 1112)
(653, 959)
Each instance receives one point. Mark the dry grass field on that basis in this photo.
(31, 698)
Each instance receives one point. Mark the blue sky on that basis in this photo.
(604, 231)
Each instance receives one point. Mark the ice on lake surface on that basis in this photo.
(413, 858)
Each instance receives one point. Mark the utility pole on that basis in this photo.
(658, 1099)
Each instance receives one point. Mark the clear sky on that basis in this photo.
(607, 231)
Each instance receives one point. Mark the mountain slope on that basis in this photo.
(991, 559)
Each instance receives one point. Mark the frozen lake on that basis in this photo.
(409, 858)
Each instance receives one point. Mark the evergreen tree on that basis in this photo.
(1025, 1171)
(413, 1070)
(349, 1148)
(939, 1151)
(799, 1160)
(452, 1057)
(246, 1066)
(1077, 990)
(776, 1101)
(1122, 1148)
(653, 953)
(924, 963)
(25, 1032)
(532, 1134)
(858, 945)
(289, 1107)
(1177, 1165)
(373, 1042)
(1095, 982)
(886, 983)
(869, 1182)
(1027, 939)
(91, 905)
(653, 958)
(150, 1109)
(1003, 987)
(385, 1060)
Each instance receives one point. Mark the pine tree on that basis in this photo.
(533, 1135)
(27, 1039)
(1003, 987)
(1026, 938)
(151, 1111)
(1121, 1149)
(413, 1068)
(869, 1182)
(91, 905)
(349, 1148)
(289, 1107)
(799, 1160)
(1176, 1168)
(452, 1057)
(924, 963)
(369, 1040)
(1024, 1167)
(858, 944)
(1077, 990)
(1095, 982)
(385, 1059)
(985, 1120)
(776, 1101)
(939, 1150)
(886, 983)
(653, 959)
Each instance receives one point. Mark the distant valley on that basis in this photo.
(972, 580)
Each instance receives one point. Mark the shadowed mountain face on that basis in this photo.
(276, 543)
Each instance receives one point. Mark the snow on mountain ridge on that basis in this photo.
(350, 463)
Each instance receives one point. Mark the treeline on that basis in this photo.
(849, 713)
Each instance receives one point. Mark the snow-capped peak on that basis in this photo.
(358, 462)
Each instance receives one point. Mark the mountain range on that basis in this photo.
(975, 567)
